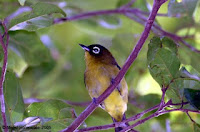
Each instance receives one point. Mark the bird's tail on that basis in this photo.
(118, 129)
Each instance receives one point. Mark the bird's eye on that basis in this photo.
(96, 50)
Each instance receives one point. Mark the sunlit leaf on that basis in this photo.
(197, 12)
(29, 46)
(30, 20)
(22, 2)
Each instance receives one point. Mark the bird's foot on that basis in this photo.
(94, 100)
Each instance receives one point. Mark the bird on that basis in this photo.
(101, 70)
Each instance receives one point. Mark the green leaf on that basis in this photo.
(37, 18)
(190, 58)
(13, 99)
(196, 127)
(193, 97)
(163, 62)
(21, 2)
(181, 8)
(34, 24)
(60, 112)
(164, 65)
(142, 4)
(122, 2)
(185, 80)
(197, 12)
(16, 63)
(149, 100)
(29, 46)
(92, 5)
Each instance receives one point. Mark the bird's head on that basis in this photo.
(97, 53)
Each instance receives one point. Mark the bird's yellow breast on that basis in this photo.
(98, 77)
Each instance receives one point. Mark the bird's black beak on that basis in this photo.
(84, 47)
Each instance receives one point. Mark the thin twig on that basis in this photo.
(3, 73)
(109, 126)
(140, 19)
(156, 114)
(165, 33)
(190, 117)
(133, 118)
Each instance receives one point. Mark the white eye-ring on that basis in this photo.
(96, 50)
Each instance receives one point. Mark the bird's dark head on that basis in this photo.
(95, 49)
(98, 54)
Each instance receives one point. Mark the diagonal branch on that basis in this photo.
(77, 122)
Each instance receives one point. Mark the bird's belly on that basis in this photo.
(114, 104)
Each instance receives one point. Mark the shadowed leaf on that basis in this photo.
(193, 97)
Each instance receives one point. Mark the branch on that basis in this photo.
(3, 73)
(109, 126)
(77, 122)
(163, 32)
(101, 12)
(133, 118)
(140, 19)
(96, 13)
(156, 114)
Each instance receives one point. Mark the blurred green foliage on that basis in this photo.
(49, 63)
